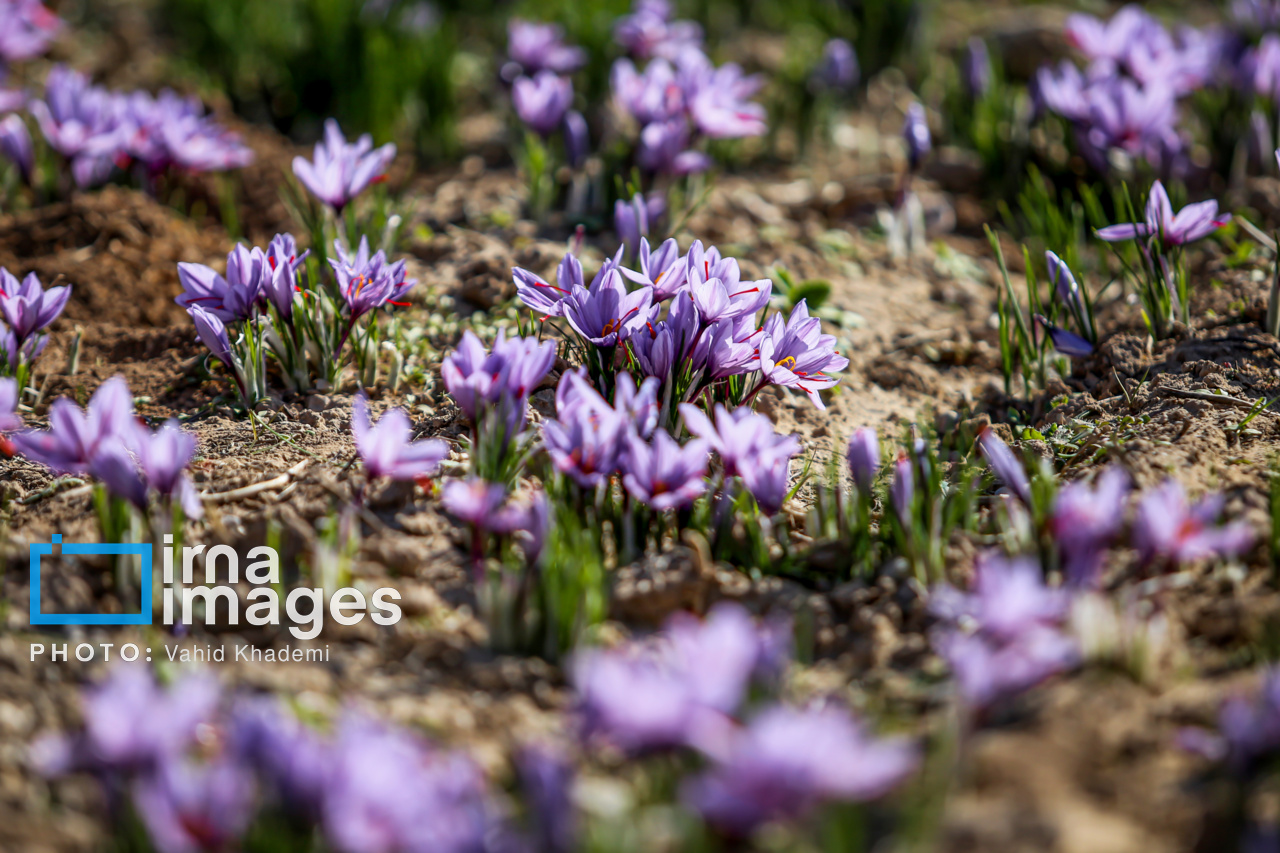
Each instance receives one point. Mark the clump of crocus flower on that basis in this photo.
(265, 306)
(688, 690)
(203, 770)
(98, 130)
(134, 464)
(1007, 634)
(28, 309)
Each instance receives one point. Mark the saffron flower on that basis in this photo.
(915, 131)
(281, 281)
(27, 307)
(131, 723)
(1190, 224)
(719, 106)
(358, 271)
(665, 149)
(476, 378)
(541, 101)
(164, 456)
(1085, 521)
(74, 436)
(977, 68)
(663, 474)
(388, 790)
(1065, 342)
(632, 220)
(534, 47)
(864, 458)
(902, 489)
(82, 122)
(1005, 465)
(238, 295)
(607, 314)
(749, 449)
(339, 171)
(26, 29)
(584, 441)
(544, 297)
(9, 417)
(837, 70)
(213, 333)
(662, 269)
(795, 353)
(647, 696)
(1167, 526)
(788, 761)
(546, 779)
(487, 507)
(16, 146)
(649, 31)
(654, 95)
(388, 449)
(188, 806)
(718, 292)
(1064, 284)
(742, 439)
(290, 757)
(1006, 636)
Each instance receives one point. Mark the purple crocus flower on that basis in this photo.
(213, 333)
(664, 149)
(9, 418)
(1190, 224)
(654, 95)
(1109, 40)
(73, 437)
(289, 756)
(15, 145)
(164, 456)
(26, 29)
(189, 807)
(281, 279)
(482, 504)
(716, 285)
(363, 278)
(541, 101)
(743, 439)
(27, 307)
(788, 761)
(902, 489)
(1065, 342)
(200, 144)
(114, 465)
(662, 269)
(544, 297)
(1260, 67)
(1085, 521)
(795, 353)
(657, 695)
(339, 171)
(1167, 526)
(837, 70)
(1139, 120)
(1064, 284)
(131, 723)
(82, 122)
(585, 440)
(1062, 90)
(649, 31)
(632, 221)
(238, 295)
(1005, 465)
(386, 790)
(660, 347)
(724, 349)
(606, 314)
(864, 458)
(534, 47)
(663, 474)
(475, 378)
(546, 779)
(577, 138)
(1250, 725)
(388, 449)
(977, 68)
(915, 130)
(1006, 635)
(719, 106)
